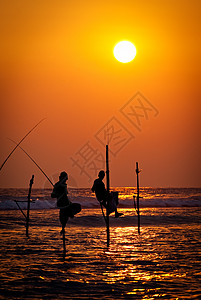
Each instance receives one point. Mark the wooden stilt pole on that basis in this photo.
(64, 244)
(138, 196)
(28, 205)
(103, 213)
(108, 190)
(20, 209)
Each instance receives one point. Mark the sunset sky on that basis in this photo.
(57, 63)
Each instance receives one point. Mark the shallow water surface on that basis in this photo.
(162, 262)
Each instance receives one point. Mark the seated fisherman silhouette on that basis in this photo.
(67, 208)
(103, 196)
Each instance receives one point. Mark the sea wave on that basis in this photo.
(10, 202)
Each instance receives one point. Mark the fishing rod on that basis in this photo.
(20, 143)
(34, 162)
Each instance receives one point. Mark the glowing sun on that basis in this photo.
(124, 51)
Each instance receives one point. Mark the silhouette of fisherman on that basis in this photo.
(67, 208)
(103, 196)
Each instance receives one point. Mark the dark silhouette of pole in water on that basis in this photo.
(28, 206)
(20, 209)
(64, 244)
(108, 190)
(138, 196)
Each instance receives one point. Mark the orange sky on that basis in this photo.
(57, 62)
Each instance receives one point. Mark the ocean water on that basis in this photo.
(150, 197)
(164, 261)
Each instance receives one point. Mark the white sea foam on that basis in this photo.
(150, 198)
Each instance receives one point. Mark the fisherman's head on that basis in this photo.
(63, 176)
(101, 174)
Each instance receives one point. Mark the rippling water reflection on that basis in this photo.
(163, 262)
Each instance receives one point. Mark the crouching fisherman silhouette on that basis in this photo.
(67, 208)
(103, 196)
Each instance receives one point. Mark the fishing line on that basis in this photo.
(34, 162)
(20, 143)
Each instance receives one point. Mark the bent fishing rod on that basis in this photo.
(20, 143)
(34, 162)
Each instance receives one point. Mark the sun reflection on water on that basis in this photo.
(138, 261)
(161, 262)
